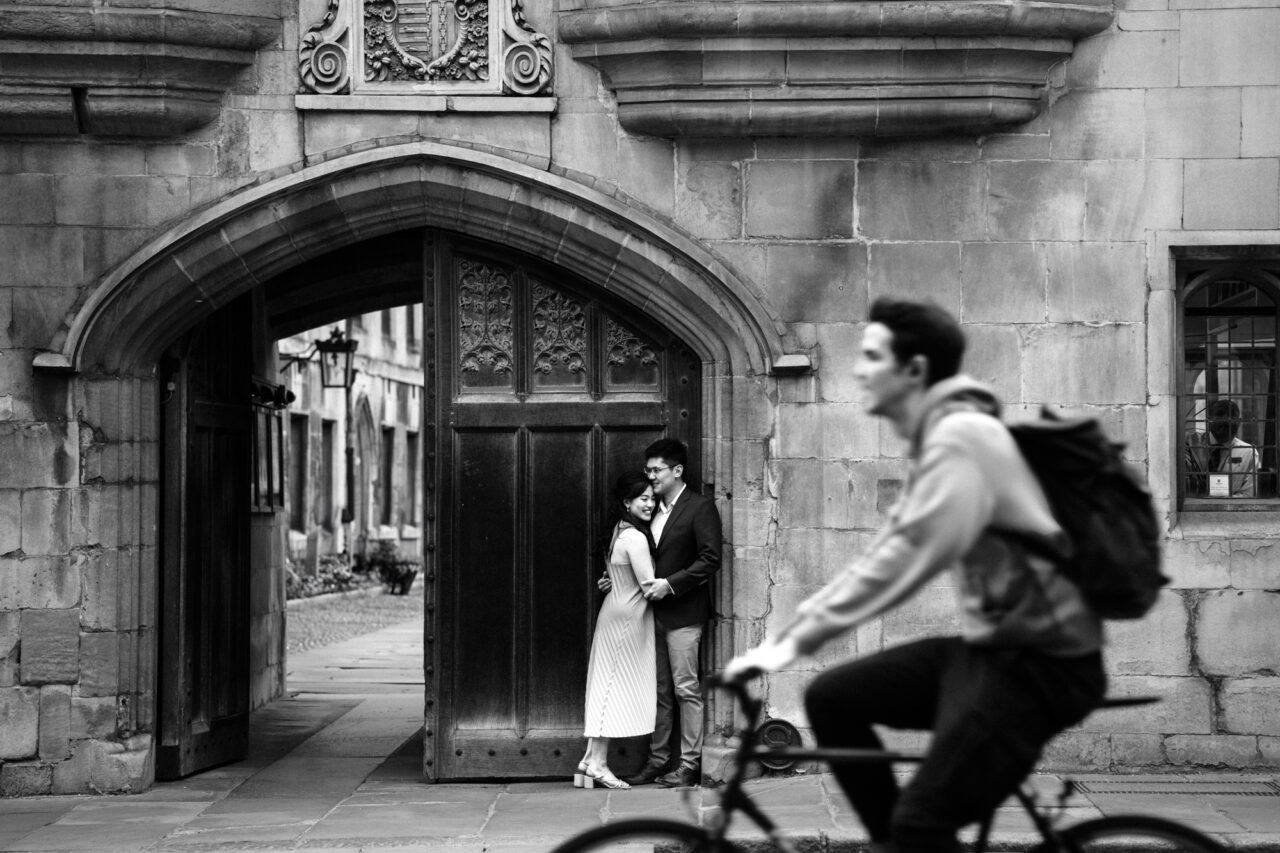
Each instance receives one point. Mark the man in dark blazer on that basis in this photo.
(687, 546)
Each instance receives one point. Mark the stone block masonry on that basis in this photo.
(50, 647)
(1048, 239)
(19, 723)
(55, 722)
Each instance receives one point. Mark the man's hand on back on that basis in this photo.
(656, 589)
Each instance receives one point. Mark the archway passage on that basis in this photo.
(274, 242)
(539, 389)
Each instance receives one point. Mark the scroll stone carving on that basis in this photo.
(324, 55)
(526, 57)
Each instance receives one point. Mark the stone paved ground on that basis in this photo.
(328, 619)
(337, 768)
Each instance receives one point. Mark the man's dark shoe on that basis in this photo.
(647, 775)
(682, 777)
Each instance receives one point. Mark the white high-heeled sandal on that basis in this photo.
(605, 779)
(580, 777)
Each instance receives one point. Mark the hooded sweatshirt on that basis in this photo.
(972, 506)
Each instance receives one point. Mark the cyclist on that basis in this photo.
(1027, 662)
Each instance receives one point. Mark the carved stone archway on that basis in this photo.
(190, 271)
(114, 336)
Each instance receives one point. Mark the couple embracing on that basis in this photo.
(662, 553)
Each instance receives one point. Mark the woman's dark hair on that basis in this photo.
(922, 328)
(629, 486)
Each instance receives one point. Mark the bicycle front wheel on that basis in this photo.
(1135, 834)
(642, 835)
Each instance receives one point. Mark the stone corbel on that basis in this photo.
(131, 68)
(876, 68)
(324, 55)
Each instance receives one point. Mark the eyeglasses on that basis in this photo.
(657, 470)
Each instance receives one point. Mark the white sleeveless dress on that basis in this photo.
(622, 677)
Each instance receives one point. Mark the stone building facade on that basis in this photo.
(382, 418)
(623, 219)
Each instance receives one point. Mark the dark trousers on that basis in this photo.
(991, 711)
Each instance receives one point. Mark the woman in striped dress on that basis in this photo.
(622, 678)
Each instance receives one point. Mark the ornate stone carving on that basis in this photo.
(625, 346)
(324, 62)
(441, 40)
(559, 332)
(486, 338)
(468, 59)
(526, 56)
(434, 45)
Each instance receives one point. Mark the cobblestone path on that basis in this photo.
(325, 620)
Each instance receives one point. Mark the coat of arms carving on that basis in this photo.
(424, 46)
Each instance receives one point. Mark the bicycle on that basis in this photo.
(664, 835)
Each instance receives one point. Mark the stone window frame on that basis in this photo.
(1245, 517)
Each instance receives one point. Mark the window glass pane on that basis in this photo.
(298, 434)
(411, 473)
(1230, 293)
(325, 498)
(277, 460)
(1228, 394)
(387, 474)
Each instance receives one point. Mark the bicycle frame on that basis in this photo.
(735, 799)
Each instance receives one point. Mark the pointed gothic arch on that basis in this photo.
(199, 265)
(115, 334)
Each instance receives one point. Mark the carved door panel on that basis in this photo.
(546, 393)
(204, 578)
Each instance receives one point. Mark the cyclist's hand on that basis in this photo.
(770, 656)
(604, 584)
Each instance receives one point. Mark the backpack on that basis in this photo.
(1104, 506)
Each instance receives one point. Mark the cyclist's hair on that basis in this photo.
(669, 450)
(922, 328)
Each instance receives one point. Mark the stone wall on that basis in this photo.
(1049, 240)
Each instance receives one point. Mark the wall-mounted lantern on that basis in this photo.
(337, 357)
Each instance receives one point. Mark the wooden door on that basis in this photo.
(204, 577)
(545, 391)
